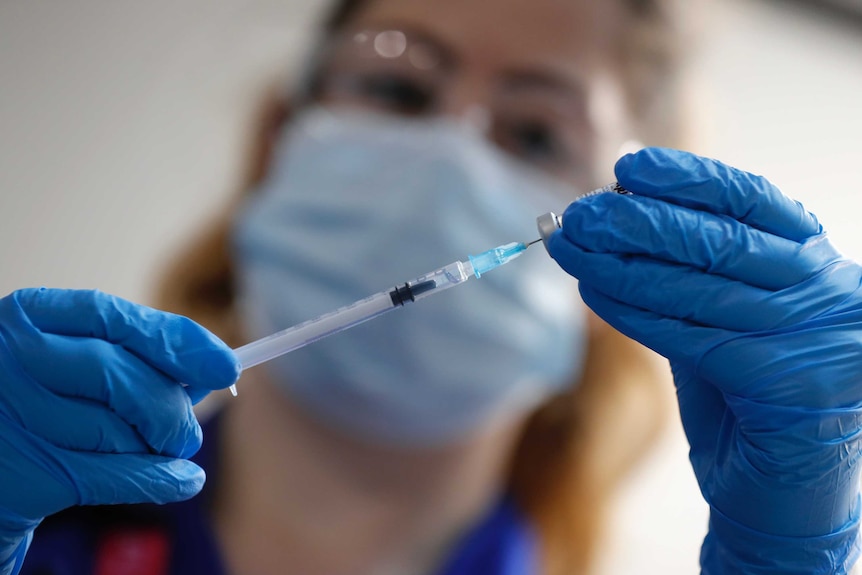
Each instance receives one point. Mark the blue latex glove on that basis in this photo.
(761, 319)
(91, 407)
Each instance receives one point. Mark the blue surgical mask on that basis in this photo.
(356, 203)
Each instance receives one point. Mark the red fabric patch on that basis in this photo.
(133, 552)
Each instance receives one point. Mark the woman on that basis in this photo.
(455, 436)
(320, 468)
(562, 463)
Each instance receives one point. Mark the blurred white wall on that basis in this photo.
(122, 126)
(785, 102)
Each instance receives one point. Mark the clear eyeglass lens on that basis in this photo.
(390, 71)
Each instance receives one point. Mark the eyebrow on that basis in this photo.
(548, 79)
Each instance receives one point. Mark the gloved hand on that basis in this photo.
(761, 318)
(91, 407)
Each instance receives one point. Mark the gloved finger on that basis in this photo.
(68, 423)
(686, 293)
(708, 185)
(174, 344)
(688, 346)
(52, 479)
(715, 354)
(93, 369)
(827, 342)
(678, 340)
(670, 290)
(116, 479)
(629, 224)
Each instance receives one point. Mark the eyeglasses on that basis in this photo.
(529, 114)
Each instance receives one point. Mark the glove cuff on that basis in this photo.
(16, 533)
(730, 547)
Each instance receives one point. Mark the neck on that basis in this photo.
(297, 497)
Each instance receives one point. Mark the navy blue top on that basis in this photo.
(177, 539)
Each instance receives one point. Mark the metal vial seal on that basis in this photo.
(551, 222)
(548, 224)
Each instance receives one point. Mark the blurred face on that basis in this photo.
(358, 201)
(538, 77)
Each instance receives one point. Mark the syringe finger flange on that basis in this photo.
(410, 291)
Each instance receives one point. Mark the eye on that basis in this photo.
(533, 141)
(396, 93)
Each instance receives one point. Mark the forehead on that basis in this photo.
(564, 35)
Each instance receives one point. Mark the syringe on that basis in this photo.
(345, 317)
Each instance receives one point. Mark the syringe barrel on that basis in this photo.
(348, 316)
(312, 330)
(441, 279)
